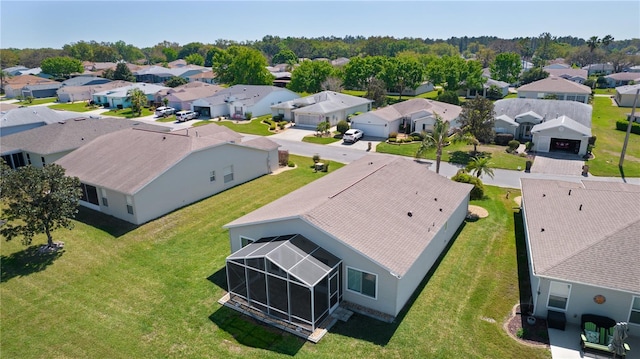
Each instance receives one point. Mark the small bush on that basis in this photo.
(277, 118)
(248, 115)
(291, 164)
(316, 158)
(521, 333)
(342, 126)
(502, 139)
(528, 146)
(621, 125)
(478, 188)
(282, 124)
(392, 140)
(449, 97)
(417, 136)
(522, 154)
(393, 135)
(592, 140)
(513, 145)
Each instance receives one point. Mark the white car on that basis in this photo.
(165, 111)
(182, 116)
(352, 135)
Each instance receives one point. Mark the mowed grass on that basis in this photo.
(253, 127)
(321, 140)
(609, 141)
(127, 113)
(75, 107)
(458, 153)
(36, 101)
(118, 291)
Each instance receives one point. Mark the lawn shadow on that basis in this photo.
(378, 332)
(110, 224)
(622, 174)
(27, 261)
(219, 278)
(524, 281)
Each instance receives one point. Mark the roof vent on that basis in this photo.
(436, 199)
(164, 138)
(580, 209)
(541, 229)
(440, 209)
(410, 214)
(544, 195)
(569, 192)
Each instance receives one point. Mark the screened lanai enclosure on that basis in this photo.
(288, 277)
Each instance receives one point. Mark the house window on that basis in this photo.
(28, 158)
(634, 315)
(212, 176)
(558, 295)
(105, 202)
(43, 162)
(228, 174)
(245, 241)
(362, 282)
(129, 205)
(89, 194)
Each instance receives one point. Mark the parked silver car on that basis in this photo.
(182, 116)
(352, 135)
(165, 111)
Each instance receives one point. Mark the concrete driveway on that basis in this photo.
(558, 164)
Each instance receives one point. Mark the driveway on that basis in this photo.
(558, 164)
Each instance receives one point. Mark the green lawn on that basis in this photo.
(253, 127)
(321, 140)
(126, 113)
(609, 141)
(75, 107)
(36, 101)
(171, 118)
(458, 153)
(118, 291)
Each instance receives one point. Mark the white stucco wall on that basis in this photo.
(540, 145)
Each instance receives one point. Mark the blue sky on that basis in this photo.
(36, 24)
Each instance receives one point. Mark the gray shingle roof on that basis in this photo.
(584, 232)
(365, 206)
(562, 122)
(628, 89)
(554, 84)
(448, 112)
(249, 94)
(127, 160)
(68, 135)
(39, 114)
(330, 101)
(548, 109)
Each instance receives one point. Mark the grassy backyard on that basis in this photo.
(36, 101)
(120, 291)
(76, 107)
(458, 153)
(253, 127)
(609, 141)
(127, 113)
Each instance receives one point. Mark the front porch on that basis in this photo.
(566, 345)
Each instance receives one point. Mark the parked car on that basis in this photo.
(182, 116)
(165, 111)
(352, 135)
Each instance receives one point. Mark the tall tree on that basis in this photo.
(8, 58)
(61, 66)
(593, 43)
(138, 100)
(38, 200)
(477, 120)
(123, 73)
(241, 65)
(309, 76)
(506, 67)
(403, 73)
(195, 59)
(284, 56)
(480, 166)
(377, 92)
(170, 54)
(437, 139)
(532, 75)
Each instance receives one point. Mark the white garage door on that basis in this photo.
(543, 143)
(371, 130)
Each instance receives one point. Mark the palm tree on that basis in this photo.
(480, 166)
(593, 43)
(437, 139)
(605, 44)
(138, 100)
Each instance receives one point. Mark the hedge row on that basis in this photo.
(622, 125)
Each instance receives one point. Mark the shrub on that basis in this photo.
(592, 140)
(449, 97)
(622, 125)
(521, 333)
(502, 139)
(283, 157)
(342, 126)
(522, 154)
(528, 146)
(268, 121)
(277, 118)
(248, 115)
(316, 158)
(282, 125)
(478, 188)
(325, 168)
(272, 127)
(513, 145)
(393, 135)
(392, 140)
(417, 136)
(291, 164)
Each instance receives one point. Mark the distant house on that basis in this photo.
(326, 106)
(557, 87)
(85, 81)
(424, 87)
(552, 125)
(363, 237)
(622, 79)
(207, 77)
(625, 95)
(119, 97)
(602, 69)
(47, 144)
(181, 97)
(158, 74)
(580, 238)
(26, 118)
(415, 115)
(139, 175)
(472, 93)
(14, 86)
(41, 90)
(14, 70)
(575, 75)
(85, 92)
(238, 100)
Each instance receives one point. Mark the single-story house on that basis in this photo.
(555, 86)
(14, 70)
(424, 87)
(557, 65)
(25, 118)
(47, 144)
(236, 101)
(41, 90)
(472, 93)
(593, 69)
(84, 93)
(540, 121)
(139, 175)
(575, 75)
(415, 115)
(158, 74)
(181, 97)
(85, 81)
(347, 238)
(582, 243)
(625, 95)
(119, 97)
(326, 106)
(622, 79)
(207, 77)
(13, 86)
